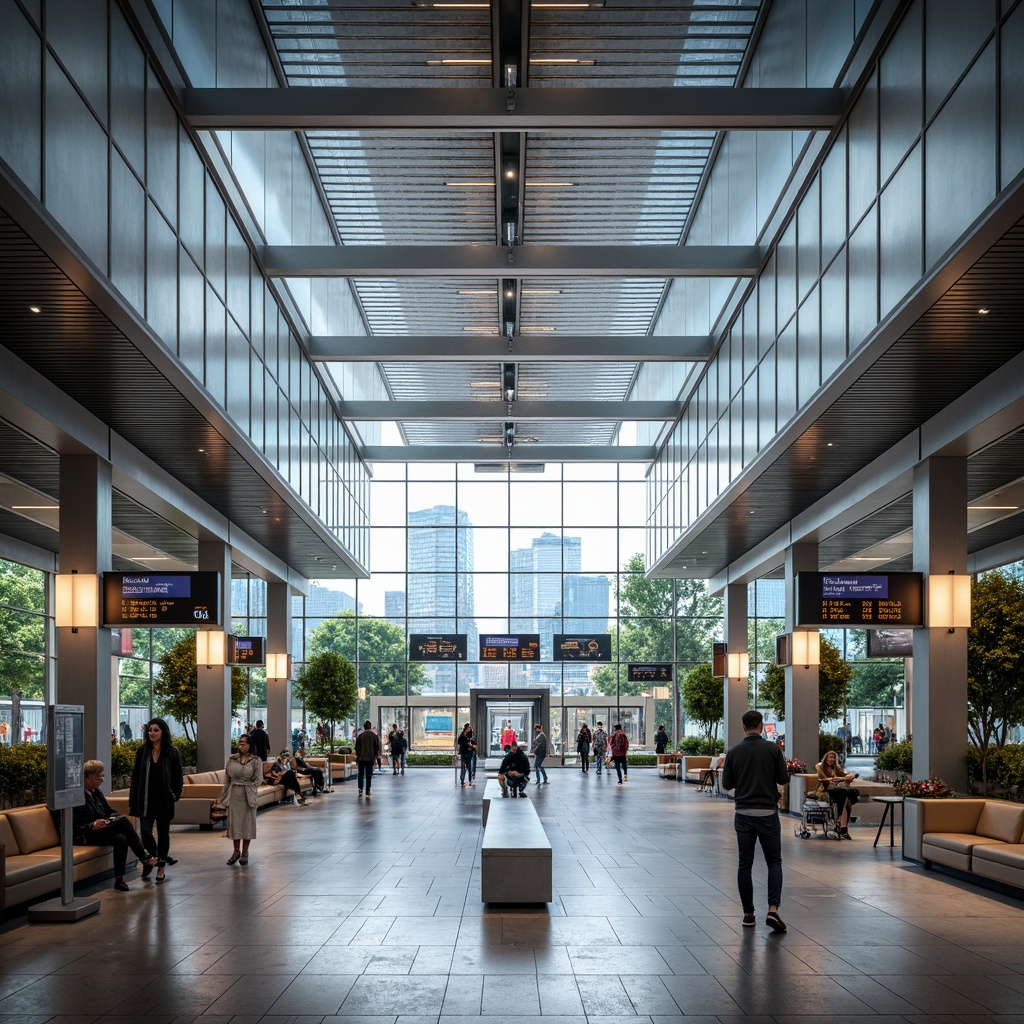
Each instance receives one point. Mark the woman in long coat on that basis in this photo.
(583, 741)
(243, 774)
(155, 789)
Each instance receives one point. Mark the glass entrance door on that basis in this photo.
(508, 722)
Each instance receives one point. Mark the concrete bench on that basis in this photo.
(515, 860)
(492, 791)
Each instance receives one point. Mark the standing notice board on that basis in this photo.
(65, 756)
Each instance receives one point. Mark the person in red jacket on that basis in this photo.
(508, 737)
(619, 744)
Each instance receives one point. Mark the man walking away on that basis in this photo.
(755, 769)
(620, 745)
(661, 740)
(539, 751)
(259, 740)
(367, 752)
(600, 744)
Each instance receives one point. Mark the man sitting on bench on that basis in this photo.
(514, 773)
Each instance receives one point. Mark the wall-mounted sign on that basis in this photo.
(438, 647)
(510, 647)
(168, 599)
(890, 643)
(582, 648)
(657, 673)
(854, 600)
(246, 650)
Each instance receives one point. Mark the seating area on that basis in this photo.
(982, 838)
(30, 856)
(669, 765)
(695, 767)
(515, 858)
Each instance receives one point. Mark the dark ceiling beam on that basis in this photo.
(521, 261)
(478, 109)
(526, 348)
(499, 412)
(521, 453)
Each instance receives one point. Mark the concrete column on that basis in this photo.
(801, 682)
(939, 724)
(736, 639)
(83, 657)
(213, 716)
(279, 691)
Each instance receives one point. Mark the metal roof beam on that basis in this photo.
(527, 348)
(521, 453)
(519, 261)
(500, 412)
(480, 109)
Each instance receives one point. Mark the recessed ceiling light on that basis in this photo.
(510, 293)
(481, 61)
(470, 184)
(480, 329)
(550, 184)
(828, 444)
(559, 60)
(984, 311)
(35, 309)
(537, 330)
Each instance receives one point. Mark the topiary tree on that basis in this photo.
(327, 686)
(703, 700)
(176, 689)
(834, 677)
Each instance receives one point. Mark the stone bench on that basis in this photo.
(515, 860)
(492, 791)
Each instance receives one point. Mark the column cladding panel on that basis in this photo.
(21, 96)
(901, 232)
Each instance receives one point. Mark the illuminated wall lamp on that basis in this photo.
(738, 665)
(949, 602)
(211, 647)
(277, 666)
(806, 647)
(77, 601)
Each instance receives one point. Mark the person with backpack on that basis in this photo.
(600, 745)
(619, 746)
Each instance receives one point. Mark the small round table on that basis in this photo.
(891, 802)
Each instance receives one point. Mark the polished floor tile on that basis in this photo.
(370, 914)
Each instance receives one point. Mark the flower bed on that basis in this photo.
(923, 789)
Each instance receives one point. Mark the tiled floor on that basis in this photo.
(370, 913)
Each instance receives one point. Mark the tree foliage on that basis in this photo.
(834, 676)
(382, 652)
(703, 700)
(327, 686)
(22, 633)
(995, 661)
(876, 684)
(176, 689)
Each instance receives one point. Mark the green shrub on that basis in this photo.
(187, 748)
(23, 768)
(897, 757)
(701, 746)
(642, 760)
(827, 741)
(430, 760)
(1005, 767)
(122, 758)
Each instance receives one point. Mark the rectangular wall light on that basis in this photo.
(211, 647)
(738, 665)
(949, 602)
(806, 647)
(277, 666)
(77, 600)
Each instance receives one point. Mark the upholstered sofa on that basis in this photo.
(975, 836)
(343, 766)
(30, 856)
(696, 765)
(668, 765)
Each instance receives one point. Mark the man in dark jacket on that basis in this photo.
(661, 740)
(755, 769)
(259, 740)
(367, 751)
(514, 772)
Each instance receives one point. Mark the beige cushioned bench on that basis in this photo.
(955, 830)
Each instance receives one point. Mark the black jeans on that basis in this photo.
(160, 846)
(751, 829)
(467, 768)
(621, 767)
(842, 796)
(364, 775)
(121, 837)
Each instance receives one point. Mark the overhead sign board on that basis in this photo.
(438, 647)
(651, 673)
(161, 599)
(569, 647)
(246, 650)
(510, 647)
(853, 600)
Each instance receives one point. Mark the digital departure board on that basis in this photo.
(161, 599)
(568, 647)
(659, 673)
(510, 647)
(854, 600)
(438, 647)
(246, 650)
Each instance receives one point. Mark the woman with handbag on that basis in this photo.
(243, 774)
(583, 740)
(155, 789)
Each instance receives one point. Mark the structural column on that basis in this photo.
(213, 713)
(83, 655)
(939, 724)
(737, 698)
(802, 721)
(279, 691)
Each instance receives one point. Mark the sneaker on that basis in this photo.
(749, 920)
(545, 782)
(619, 782)
(775, 922)
(360, 792)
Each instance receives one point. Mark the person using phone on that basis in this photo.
(97, 824)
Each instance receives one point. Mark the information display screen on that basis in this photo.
(152, 599)
(569, 647)
(853, 600)
(65, 755)
(246, 650)
(510, 647)
(890, 643)
(649, 673)
(438, 647)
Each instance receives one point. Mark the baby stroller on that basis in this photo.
(815, 815)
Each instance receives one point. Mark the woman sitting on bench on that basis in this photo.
(282, 774)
